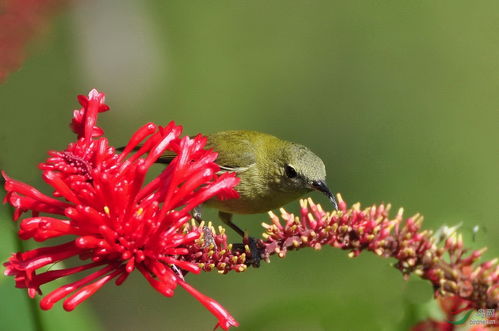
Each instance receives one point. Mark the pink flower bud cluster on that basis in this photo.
(441, 259)
(211, 251)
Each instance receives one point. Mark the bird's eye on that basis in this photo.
(290, 171)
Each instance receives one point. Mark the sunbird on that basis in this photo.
(272, 172)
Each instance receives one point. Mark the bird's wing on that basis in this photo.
(236, 150)
(166, 158)
(235, 169)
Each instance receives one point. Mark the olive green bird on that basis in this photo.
(272, 173)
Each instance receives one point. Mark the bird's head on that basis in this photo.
(303, 171)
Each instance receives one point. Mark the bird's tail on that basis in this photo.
(164, 159)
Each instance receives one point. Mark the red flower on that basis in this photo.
(116, 221)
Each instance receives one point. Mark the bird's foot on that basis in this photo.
(253, 249)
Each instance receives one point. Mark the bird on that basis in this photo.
(272, 172)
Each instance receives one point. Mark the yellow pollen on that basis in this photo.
(106, 210)
(139, 211)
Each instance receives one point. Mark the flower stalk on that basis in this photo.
(115, 222)
(440, 258)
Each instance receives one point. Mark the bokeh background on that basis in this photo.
(400, 99)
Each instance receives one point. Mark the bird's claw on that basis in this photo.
(253, 249)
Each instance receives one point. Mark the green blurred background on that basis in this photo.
(399, 98)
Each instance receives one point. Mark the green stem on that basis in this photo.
(32, 303)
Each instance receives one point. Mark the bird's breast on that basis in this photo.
(254, 202)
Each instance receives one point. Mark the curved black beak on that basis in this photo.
(321, 186)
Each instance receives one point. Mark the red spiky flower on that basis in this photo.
(115, 221)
